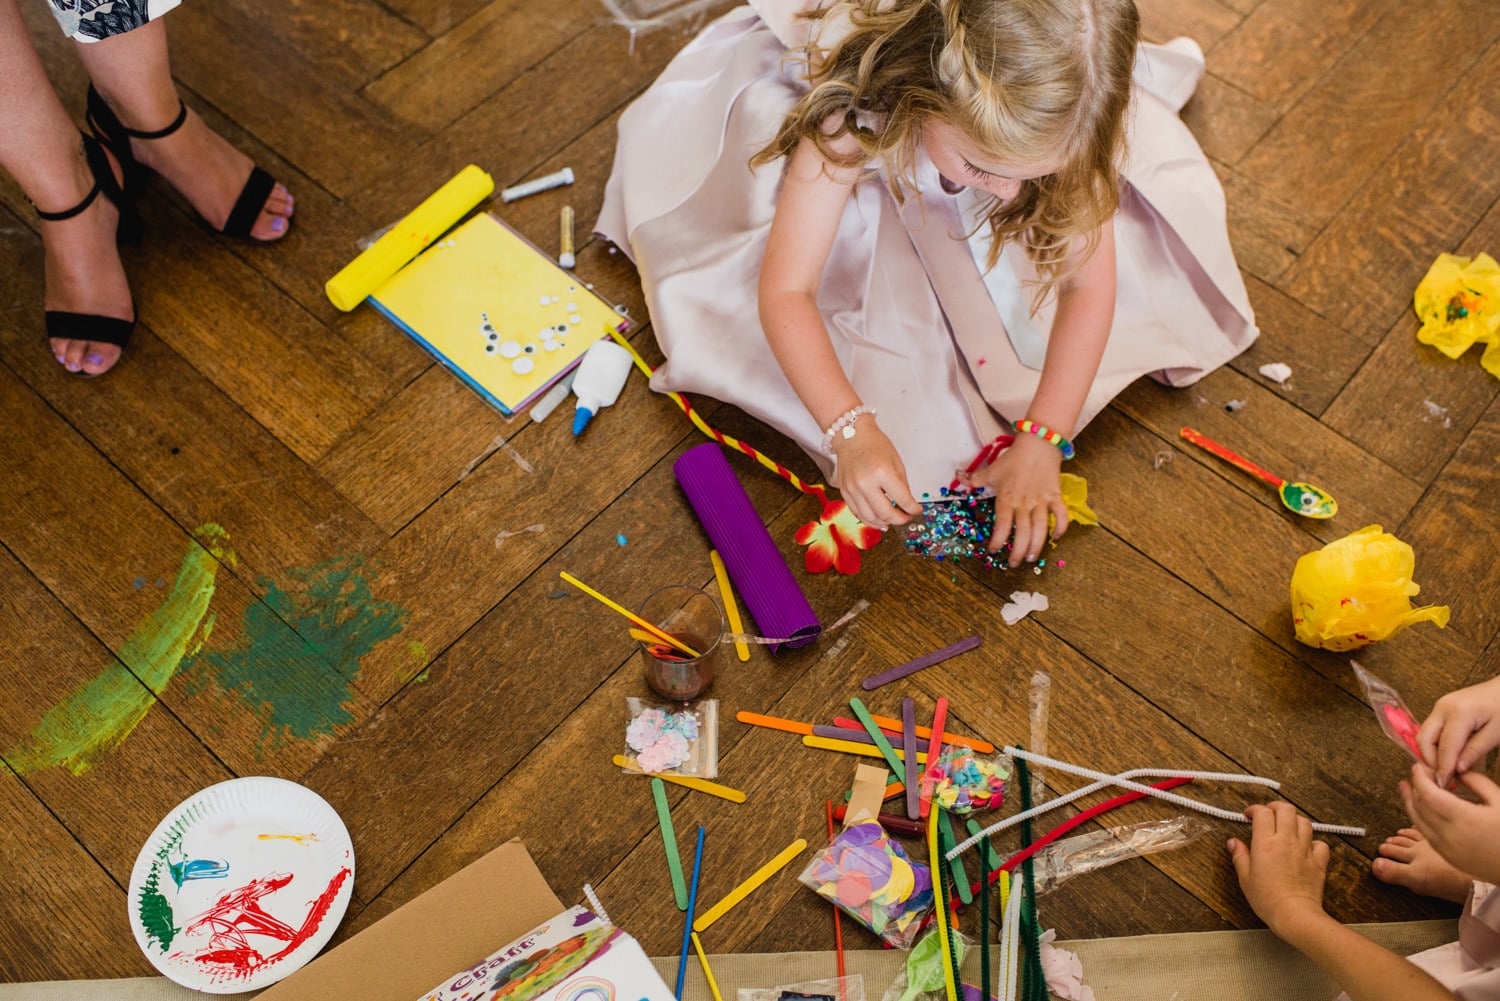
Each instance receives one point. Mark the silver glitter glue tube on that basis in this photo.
(557, 180)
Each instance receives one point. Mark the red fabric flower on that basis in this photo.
(836, 539)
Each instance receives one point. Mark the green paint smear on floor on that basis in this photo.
(98, 715)
(300, 649)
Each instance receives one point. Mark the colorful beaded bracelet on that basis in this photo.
(1027, 426)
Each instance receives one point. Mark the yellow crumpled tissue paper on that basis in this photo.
(1356, 591)
(1458, 301)
(1075, 491)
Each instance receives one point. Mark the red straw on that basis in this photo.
(838, 927)
(934, 748)
(1068, 825)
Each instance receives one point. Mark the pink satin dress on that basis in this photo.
(1470, 967)
(943, 350)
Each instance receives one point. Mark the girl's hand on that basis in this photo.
(1282, 870)
(1464, 726)
(872, 477)
(1025, 481)
(1465, 834)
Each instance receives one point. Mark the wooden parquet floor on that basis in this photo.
(373, 630)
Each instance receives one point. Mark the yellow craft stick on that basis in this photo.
(936, 861)
(731, 610)
(653, 630)
(690, 782)
(854, 747)
(708, 974)
(705, 921)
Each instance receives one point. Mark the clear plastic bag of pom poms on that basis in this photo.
(963, 782)
(672, 739)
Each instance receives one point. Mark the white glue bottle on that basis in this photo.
(601, 376)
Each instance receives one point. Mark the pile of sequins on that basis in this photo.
(662, 740)
(957, 525)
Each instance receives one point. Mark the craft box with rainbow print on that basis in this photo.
(572, 957)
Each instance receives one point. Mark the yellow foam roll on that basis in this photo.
(409, 237)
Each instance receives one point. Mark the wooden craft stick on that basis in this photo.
(774, 723)
(863, 715)
(669, 840)
(864, 751)
(686, 781)
(742, 891)
(934, 748)
(893, 728)
(665, 637)
(731, 607)
(708, 974)
(909, 751)
(874, 681)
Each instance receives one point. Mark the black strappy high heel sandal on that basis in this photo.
(65, 326)
(110, 130)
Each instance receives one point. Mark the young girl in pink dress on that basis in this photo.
(896, 229)
(1452, 851)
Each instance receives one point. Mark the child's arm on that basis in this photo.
(1024, 477)
(813, 195)
(1282, 873)
(1463, 727)
(1465, 833)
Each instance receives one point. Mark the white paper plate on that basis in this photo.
(241, 884)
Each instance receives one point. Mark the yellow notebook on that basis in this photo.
(499, 313)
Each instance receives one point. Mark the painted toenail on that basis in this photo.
(94, 358)
(278, 224)
(73, 366)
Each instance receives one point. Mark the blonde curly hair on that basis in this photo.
(1027, 81)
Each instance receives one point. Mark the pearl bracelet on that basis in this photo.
(844, 426)
(1027, 426)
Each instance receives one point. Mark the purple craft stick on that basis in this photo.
(754, 563)
(841, 733)
(909, 747)
(874, 681)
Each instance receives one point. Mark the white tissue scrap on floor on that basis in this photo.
(1434, 411)
(1021, 604)
(1063, 970)
(1277, 372)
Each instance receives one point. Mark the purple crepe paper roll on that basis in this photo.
(874, 681)
(760, 575)
(842, 733)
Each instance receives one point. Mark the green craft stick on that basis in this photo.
(956, 865)
(669, 839)
(991, 857)
(876, 734)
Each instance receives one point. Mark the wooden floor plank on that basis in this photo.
(1411, 406)
(1204, 21)
(1225, 120)
(350, 41)
(1281, 50)
(1462, 508)
(1322, 151)
(1322, 356)
(1425, 199)
(59, 907)
(1268, 235)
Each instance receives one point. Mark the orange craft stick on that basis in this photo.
(775, 723)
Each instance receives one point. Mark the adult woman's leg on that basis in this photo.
(42, 149)
(132, 72)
